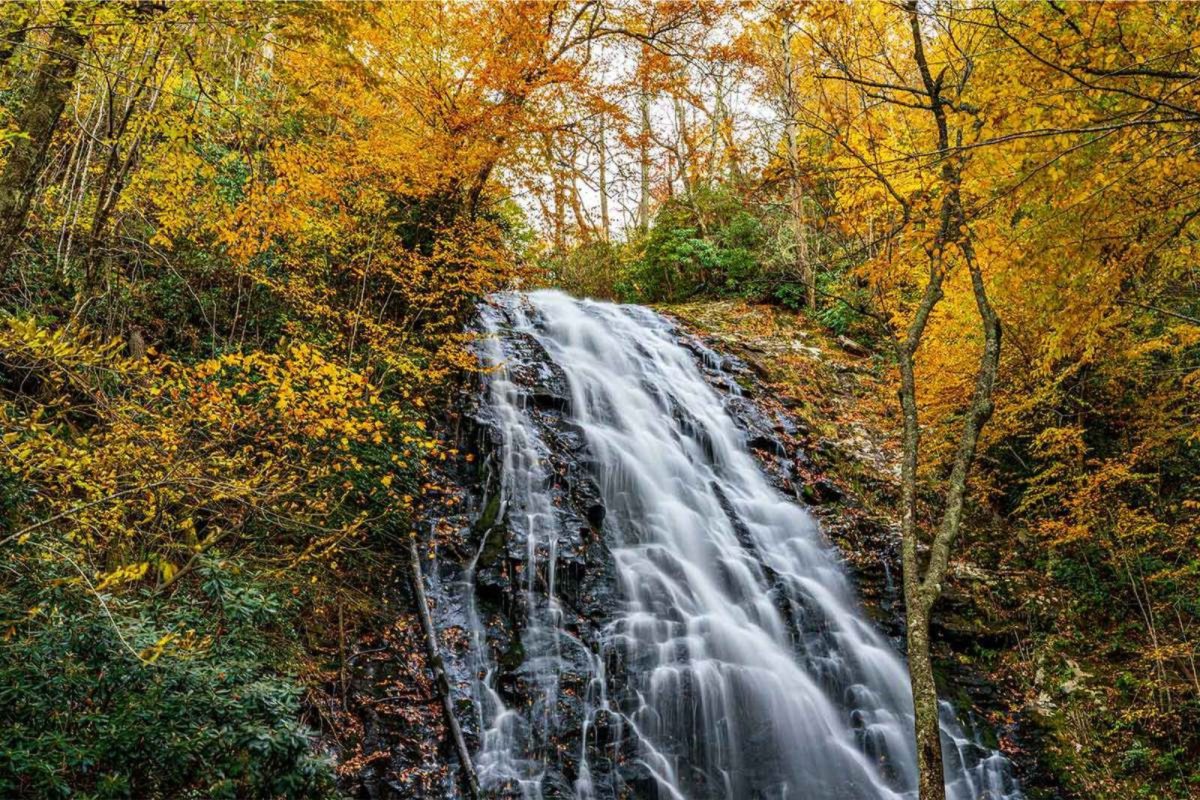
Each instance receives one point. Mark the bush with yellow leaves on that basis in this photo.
(154, 513)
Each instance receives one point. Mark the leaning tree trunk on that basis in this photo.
(437, 667)
(37, 121)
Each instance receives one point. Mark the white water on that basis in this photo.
(749, 669)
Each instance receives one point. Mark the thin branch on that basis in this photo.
(1164, 311)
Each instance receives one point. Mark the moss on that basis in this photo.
(491, 510)
(514, 656)
(495, 546)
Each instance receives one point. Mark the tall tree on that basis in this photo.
(39, 116)
(602, 176)
(788, 101)
(644, 135)
(889, 100)
(923, 587)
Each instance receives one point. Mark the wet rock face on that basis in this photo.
(510, 568)
(518, 578)
(508, 599)
(870, 547)
(510, 572)
(582, 565)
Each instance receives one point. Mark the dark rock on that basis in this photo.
(821, 492)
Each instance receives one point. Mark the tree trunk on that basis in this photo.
(557, 195)
(584, 229)
(643, 217)
(602, 164)
(930, 771)
(684, 149)
(791, 134)
(922, 588)
(927, 730)
(723, 135)
(38, 119)
(116, 168)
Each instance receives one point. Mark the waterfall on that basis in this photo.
(731, 659)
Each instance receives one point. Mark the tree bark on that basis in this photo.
(38, 119)
(723, 135)
(930, 774)
(602, 165)
(557, 195)
(791, 134)
(922, 588)
(643, 217)
(116, 168)
(584, 229)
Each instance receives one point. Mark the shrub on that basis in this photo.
(108, 697)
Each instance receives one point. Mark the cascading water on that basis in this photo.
(732, 659)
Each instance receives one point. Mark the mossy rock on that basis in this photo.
(491, 510)
(514, 656)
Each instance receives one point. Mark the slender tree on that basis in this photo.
(936, 216)
(602, 179)
(37, 120)
(788, 101)
(923, 584)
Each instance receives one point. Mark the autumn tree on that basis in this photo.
(862, 94)
(238, 244)
(922, 588)
(253, 234)
(36, 121)
(968, 190)
(1031, 163)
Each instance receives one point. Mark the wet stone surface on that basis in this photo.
(527, 595)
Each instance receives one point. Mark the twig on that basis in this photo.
(76, 509)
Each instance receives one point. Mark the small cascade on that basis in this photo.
(649, 616)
